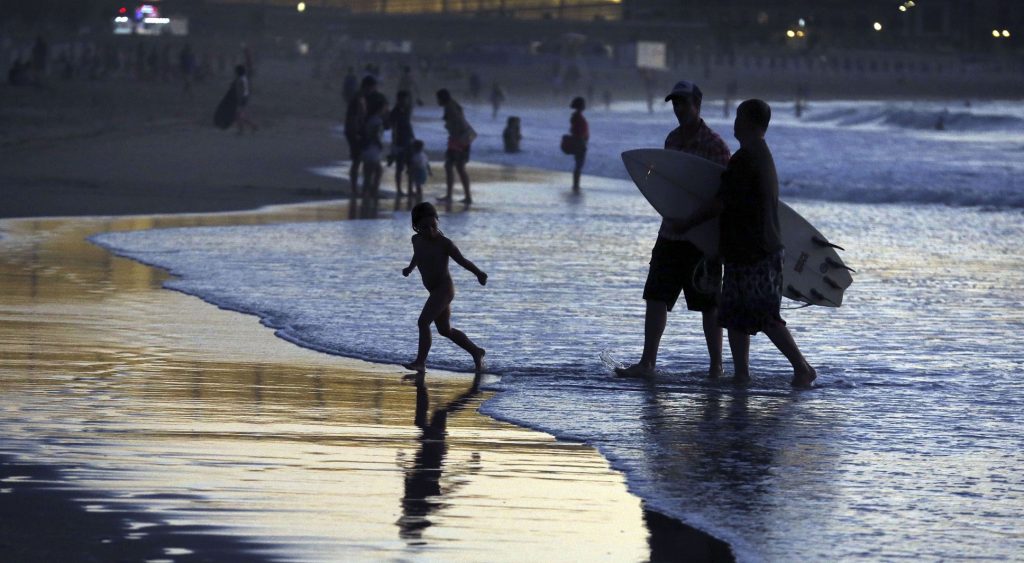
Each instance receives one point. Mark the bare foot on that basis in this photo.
(416, 367)
(741, 379)
(715, 371)
(803, 378)
(636, 371)
(478, 359)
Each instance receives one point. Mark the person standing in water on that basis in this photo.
(460, 138)
(579, 132)
(431, 251)
(750, 242)
(677, 265)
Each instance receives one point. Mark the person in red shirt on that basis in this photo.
(579, 130)
(677, 266)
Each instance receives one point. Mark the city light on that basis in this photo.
(903, 8)
(301, 7)
(995, 33)
(1006, 33)
(790, 33)
(878, 26)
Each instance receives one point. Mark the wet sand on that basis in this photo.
(153, 420)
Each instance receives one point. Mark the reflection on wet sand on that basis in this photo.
(162, 405)
(423, 490)
(735, 438)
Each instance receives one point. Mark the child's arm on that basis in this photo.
(412, 263)
(412, 266)
(461, 260)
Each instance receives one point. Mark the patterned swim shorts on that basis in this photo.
(751, 295)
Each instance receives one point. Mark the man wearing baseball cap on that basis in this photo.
(677, 266)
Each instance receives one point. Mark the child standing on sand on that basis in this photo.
(431, 250)
(419, 169)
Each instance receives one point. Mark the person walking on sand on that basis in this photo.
(579, 133)
(677, 265)
(750, 243)
(402, 137)
(356, 114)
(497, 98)
(372, 152)
(460, 137)
(431, 251)
(242, 100)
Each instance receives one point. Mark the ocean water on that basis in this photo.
(910, 445)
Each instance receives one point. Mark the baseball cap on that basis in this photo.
(685, 88)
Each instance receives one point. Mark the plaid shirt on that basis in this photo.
(705, 144)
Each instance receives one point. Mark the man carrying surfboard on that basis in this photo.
(677, 265)
(750, 244)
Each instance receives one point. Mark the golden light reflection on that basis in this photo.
(157, 395)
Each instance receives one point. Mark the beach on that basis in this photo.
(179, 429)
(288, 432)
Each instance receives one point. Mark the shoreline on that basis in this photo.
(663, 532)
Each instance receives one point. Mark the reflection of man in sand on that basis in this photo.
(676, 264)
(423, 492)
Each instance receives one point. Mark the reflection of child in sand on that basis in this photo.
(431, 250)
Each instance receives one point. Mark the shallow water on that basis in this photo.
(165, 410)
(910, 445)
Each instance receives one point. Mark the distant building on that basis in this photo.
(925, 23)
(521, 9)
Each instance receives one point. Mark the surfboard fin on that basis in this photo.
(837, 264)
(822, 242)
(832, 283)
(794, 293)
(817, 295)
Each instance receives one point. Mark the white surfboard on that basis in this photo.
(676, 184)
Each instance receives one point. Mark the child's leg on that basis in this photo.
(435, 306)
(444, 328)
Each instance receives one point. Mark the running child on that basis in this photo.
(431, 250)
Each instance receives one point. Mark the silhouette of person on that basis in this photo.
(424, 494)
(366, 102)
(579, 132)
(750, 243)
(677, 265)
(242, 92)
(460, 138)
(497, 98)
(431, 251)
(402, 137)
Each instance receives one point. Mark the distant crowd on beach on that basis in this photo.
(739, 291)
